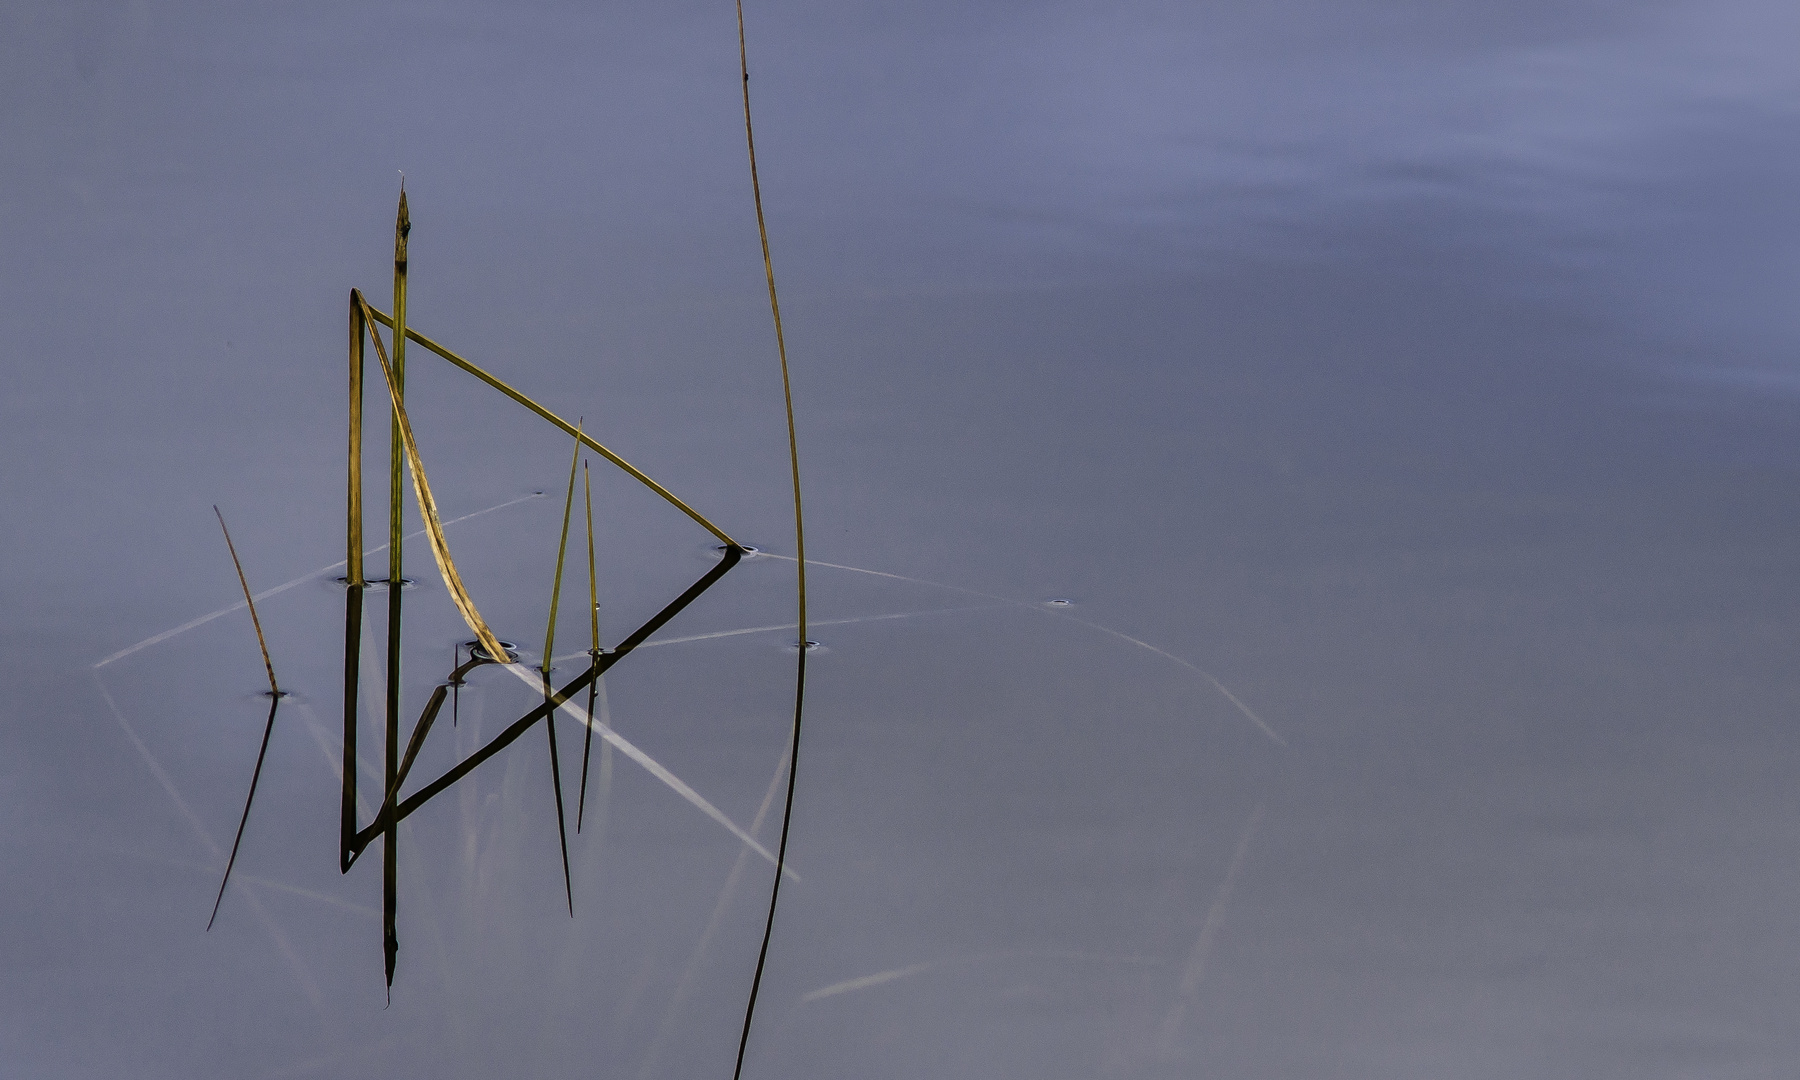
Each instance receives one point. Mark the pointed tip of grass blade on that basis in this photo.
(562, 547)
(255, 778)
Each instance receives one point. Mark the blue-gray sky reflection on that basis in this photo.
(1421, 373)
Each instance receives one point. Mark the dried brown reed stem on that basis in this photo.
(434, 528)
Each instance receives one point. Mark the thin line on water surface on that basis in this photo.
(1191, 975)
(650, 765)
(791, 626)
(282, 945)
(653, 1055)
(864, 982)
(157, 639)
(1249, 713)
(129, 852)
(867, 981)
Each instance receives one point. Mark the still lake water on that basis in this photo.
(1422, 373)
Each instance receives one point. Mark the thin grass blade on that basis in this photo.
(559, 422)
(249, 602)
(562, 547)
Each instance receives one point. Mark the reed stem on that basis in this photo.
(787, 814)
(396, 576)
(353, 588)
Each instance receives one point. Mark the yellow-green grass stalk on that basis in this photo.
(268, 726)
(562, 548)
(787, 815)
(353, 517)
(353, 586)
(558, 422)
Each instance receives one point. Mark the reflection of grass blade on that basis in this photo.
(562, 829)
(440, 549)
(268, 729)
(559, 422)
(587, 741)
(254, 621)
(603, 717)
(353, 612)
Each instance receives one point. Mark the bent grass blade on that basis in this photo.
(440, 548)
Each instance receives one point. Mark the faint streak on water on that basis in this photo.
(282, 944)
(1189, 988)
(651, 765)
(790, 626)
(1121, 635)
(865, 982)
(156, 639)
(692, 971)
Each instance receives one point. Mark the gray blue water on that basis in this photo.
(1403, 394)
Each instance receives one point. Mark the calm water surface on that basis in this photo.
(1419, 376)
